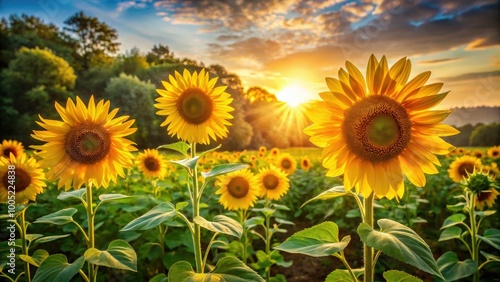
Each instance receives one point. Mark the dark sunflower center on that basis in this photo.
(195, 106)
(377, 128)
(478, 155)
(87, 143)
(286, 164)
(270, 182)
(495, 153)
(483, 196)
(238, 187)
(305, 163)
(464, 168)
(152, 164)
(7, 152)
(22, 180)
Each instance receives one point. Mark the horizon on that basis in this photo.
(302, 42)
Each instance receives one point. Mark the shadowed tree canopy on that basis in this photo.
(96, 40)
(160, 55)
(256, 93)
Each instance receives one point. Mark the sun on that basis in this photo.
(294, 95)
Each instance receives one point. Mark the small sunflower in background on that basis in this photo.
(461, 166)
(274, 182)
(274, 152)
(305, 164)
(483, 186)
(286, 163)
(477, 153)
(87, 146)
(238, 190)
(262, 149)
(152, 164)
(29, 178)
(11, 146)
(494, 152)
(196, 110)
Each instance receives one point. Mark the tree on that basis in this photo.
(96, 40)
(255, 94)
(160, 55)
(486, 135)
(131, 63)
(34, 80)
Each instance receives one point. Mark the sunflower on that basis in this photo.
(238, 190)
(87, 146)
(21, 175)
(286, 163)
(374, 130)
(274, 182)
(262, 149)
(461, 166)
(195, 110)
(494, 152)
(477, 153)
(152, 164)
(486, 197)
(274, 152)
(11, 146)
(305, 164)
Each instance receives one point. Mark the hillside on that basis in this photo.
(473, 116)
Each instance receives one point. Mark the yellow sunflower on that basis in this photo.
(195, 110)
(486, 197)
(238, 190)
(286, 163)
(11, 146)
(274, 152)
(494, 152)
(477, 153)
(305, 163)
(87, 146)
(274, 182)
(461, 166)
(152, 163)
(262, 150)
(21, 175)
(374, 130)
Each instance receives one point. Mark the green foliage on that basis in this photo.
(486, 135)
(57, 268)
(119, 255)
(453, 269)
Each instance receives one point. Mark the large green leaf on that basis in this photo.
(119, 255)
(337, 191)
(222, 169)
(400, 242)
(400, 276)
(37, 258)
(57, 268)
(452, 220)
(187, 163)
(453, 269)
(180, 147)
(221, 224)
(153, 218)
(159, 278)
(75, 194)
(60, 217)
(318, 241)
(492, 237)
(342, 275)
(228, 269)
(449, 233)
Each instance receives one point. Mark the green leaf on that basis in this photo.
(318, 241)
(227, 269)
(50, 238)
(452, 220)
(179, 206)
(57, 268)
(187, 163)
(153, 218)
(453, 232)
(33, 237)
(342, 275)
(222, 169)
(75, 194)
(485, 213)
(490, 257)
(278, 259)
(282, 221)
(453, 269)
(159, 278)
(180, 147)
(456, 207)
(37, 258)
(202, 154)
(491, 237)
(221, 224)
(254, 221)
(337, 191)
(61, 217)
(280, 207)
(119, 255)
(112, 197)
(399, 242)
(400, 276)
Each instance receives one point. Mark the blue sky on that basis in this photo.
(276, 43)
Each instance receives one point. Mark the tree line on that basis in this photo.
(41, 64)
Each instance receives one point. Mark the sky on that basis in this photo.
(277, 44)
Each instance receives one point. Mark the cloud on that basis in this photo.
(473, 75)
(122, 6)
(439, 61)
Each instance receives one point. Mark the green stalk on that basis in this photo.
(368, 251)
(268, 246)
(196, 212)
(24, 244)
(244, 235)
(473, 234)
(90, 233)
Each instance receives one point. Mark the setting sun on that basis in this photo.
(294, 95)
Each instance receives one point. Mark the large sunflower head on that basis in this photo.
(238, 190)
(274, 182)
(11, 146)
(286, 163)
(463, 165)
(375, 129)
(494, 152)
(87, 146)
(21, 175)
(196, 110)
(152, 164)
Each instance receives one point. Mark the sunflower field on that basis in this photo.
(381, 197)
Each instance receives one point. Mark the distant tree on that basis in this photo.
(130, 63)
(34, 80)
(461, 139)
(486, 135)
(160, 55)
(96, 40)
(255, 94)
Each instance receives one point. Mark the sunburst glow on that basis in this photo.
(294, 95)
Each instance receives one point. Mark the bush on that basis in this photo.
(486, 135)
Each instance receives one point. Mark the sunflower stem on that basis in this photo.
(473, 234)
(196, 212)
(368, 251)
(90, 233)
(24, 245)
